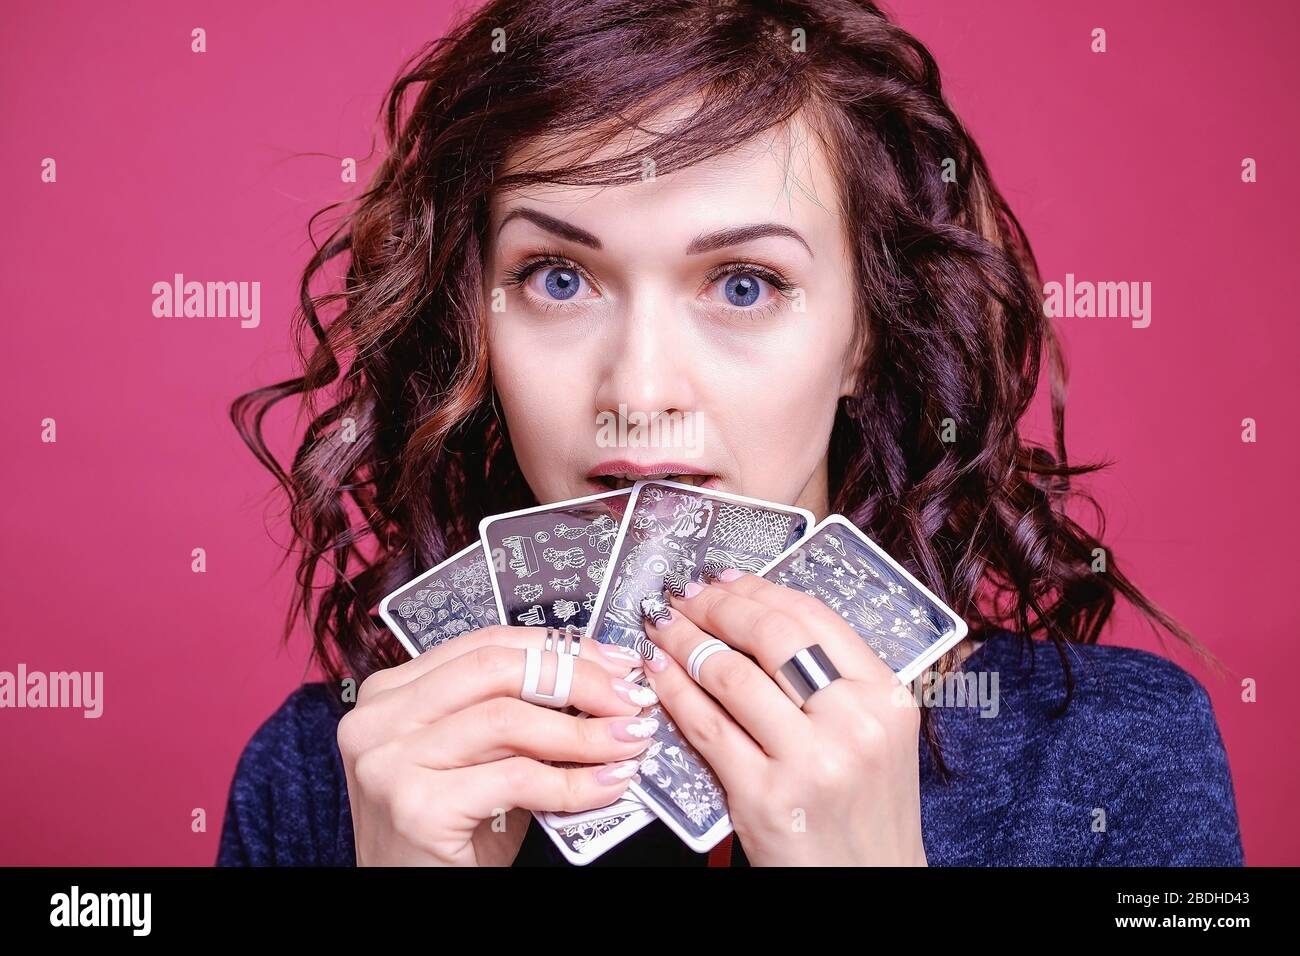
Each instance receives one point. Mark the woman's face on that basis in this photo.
(659, 341)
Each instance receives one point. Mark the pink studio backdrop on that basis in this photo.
(1123, 166)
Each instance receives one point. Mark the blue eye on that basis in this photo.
(561, 278)
(741, 289)
(562, 283)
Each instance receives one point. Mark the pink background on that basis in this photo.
(1122, 166)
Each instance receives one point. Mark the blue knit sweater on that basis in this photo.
(1133, 773)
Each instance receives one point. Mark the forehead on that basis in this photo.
(783, 175)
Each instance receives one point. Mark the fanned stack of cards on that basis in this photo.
(592, 561)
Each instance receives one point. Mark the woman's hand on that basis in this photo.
(836, 783)
(444, 759)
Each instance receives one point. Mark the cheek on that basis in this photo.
(787, 413)
(520, 389)
(540, 411)
(776, 409)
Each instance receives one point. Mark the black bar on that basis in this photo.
(348, 906)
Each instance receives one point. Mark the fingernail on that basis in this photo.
(655, 610)
(712, 567)
(617, 772)
(657, 661)
(692, 588)
(635, 693)
(660, 617)
(633, 728)
(730, 574)
(676, 582)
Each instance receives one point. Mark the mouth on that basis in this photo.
(612, 476)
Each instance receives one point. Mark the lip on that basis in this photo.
(642, 469)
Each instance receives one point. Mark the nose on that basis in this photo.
(649, 363)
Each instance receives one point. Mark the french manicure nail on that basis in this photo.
(658, 660)
(676, 582)
(712, 567)
(655, 610)
(616, 772)
(661, 617)
(635, 693)
(633, 728)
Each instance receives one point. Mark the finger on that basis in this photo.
(773, 631)
(617, 660)
(846, 640)
(505, 727)
(750, 696)
(702, 721)
(482, 674)
(488, 788)
(867, 681)
(767, 592)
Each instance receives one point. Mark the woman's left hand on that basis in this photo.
(834, 783)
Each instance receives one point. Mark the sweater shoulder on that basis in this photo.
(1135, 767)
(297, 724)
(1133, 685)
(288, 799)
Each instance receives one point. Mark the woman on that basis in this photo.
(764, 216)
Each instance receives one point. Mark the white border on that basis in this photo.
(632, 824)
(487, 522)
(577, 859)
(809, 519)
(392, 621)
(553, 506)
(718, 832)
(936, 650)
(551, 818)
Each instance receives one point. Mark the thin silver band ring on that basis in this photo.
(702, 652)
(568, 641)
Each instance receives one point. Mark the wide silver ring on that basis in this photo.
(559, 695)
(702, 652)
(807, 672)
(568, 641)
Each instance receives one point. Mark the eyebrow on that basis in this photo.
(708, 242)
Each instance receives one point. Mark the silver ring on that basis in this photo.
(568, 641)
(809, 671)
(559, 695)
(702, 652)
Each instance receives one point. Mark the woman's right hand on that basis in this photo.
(444, 759)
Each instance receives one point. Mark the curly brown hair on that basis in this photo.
(948, 288)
